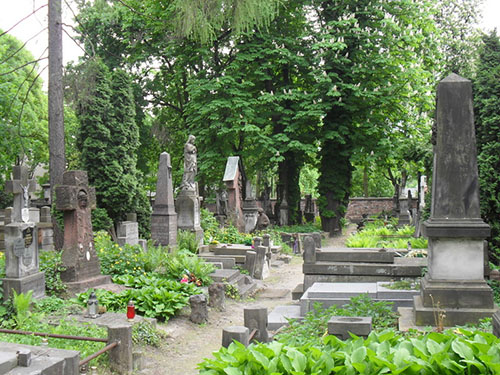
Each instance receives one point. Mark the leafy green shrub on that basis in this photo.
(452, 352)
(144, 333)
(209, 225)
(383, 234)
(51, 263)
(183, 263)
(315, 323)
(117, 260)
(149, 301)
(101, 220)
(142, 281)
(186, 240)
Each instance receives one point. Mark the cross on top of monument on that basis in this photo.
(20, 186)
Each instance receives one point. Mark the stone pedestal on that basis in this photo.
(187, 206)
(250, 213)
(128, 233)
(164, 217)
(22, 261)
(233, 180)
(404, 217)
(454, 286)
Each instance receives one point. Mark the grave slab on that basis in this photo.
(280, 315)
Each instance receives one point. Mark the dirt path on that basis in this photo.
(187, 344)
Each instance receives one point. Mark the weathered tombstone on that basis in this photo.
(187, 203)
(164, 217)
(233, 180)
(217, 296)
(21, 242)
(404, 213)
(454, 285)
(235, 333)
(128, 231)
(250, 209)
(199, 310)
(309, 250)
(261, 270)
(256, 319)
(250, 259)
(79, 257)
(45, 230)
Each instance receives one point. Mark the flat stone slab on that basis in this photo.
(111, 319)
(8, 361)
(274, 293)
(280, 315)
(342, 290)
(227, 262)
(385, 293)
(220, 276)
(237, 258)
(357, 255)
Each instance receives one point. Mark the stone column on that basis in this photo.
(455, 282)
(164, 217)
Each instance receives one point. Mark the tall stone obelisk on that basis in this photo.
(455, 282)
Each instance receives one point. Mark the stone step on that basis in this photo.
(247, 290)
(220, 276)
(408, 268)
(8, 361)
(227, 262)
(277, 263)
(240, 259)
(232, 251)
(297, 292)
(361, 255)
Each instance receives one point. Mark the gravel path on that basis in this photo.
(187, 344)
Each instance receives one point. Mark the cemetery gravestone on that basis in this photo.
(164, 218)
(188, 201)
(250, 209)
(455, 278)
(233, 180)
(21, 242)
(128, 231)
(79, 256)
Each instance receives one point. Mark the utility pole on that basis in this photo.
(57, 157)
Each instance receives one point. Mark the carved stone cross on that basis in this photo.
(20, 186)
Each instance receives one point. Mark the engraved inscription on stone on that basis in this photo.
(18, 247)
(28, 256)
(28, 237)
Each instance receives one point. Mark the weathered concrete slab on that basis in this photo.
(356, 255)
(227, 262)
(385, 293)
(219, 276)
(342, 290)
(281, 314)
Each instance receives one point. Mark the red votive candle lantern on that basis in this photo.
(130, 310)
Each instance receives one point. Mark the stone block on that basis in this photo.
(34, 282)
(235, 333)
(256, 319)
(8, 361)
(342, 290)
(358, 255)
(23, 358)
(120, 357)
(281, 314)
(199, 310)
(341, 326)
(227, 262)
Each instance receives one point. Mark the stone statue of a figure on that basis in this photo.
(190, 165)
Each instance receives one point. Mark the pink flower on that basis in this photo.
(184, 280)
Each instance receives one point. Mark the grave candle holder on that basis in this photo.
(130, 310)
(92, 306)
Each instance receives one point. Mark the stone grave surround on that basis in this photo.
(164, 217)
(455, 281)
(79, 256)
(21, 242)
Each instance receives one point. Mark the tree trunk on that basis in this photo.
(57, 159)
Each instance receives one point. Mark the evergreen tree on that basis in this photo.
(108, 141)
(487, 120)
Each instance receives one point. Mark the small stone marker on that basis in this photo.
(235, 333)
(128, 233)
(79, 256)
(250, 260)
(260, 263)
(341, 326)
(164, 217)
(256, 318)
(20, 186)
(309, 250)
(233, 180)
(217, 296)
(199, 310)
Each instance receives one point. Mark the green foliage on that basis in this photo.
(229, 234)
(183, 263)
(495, 286)
(145, 333)
(382, 234)
(186, 240)
(51, 263)
(403, 285)
(101, 220)
(487, 120)
(22, 304)
(117, 260)
(23, 111)
(452, 352)
(314, 327)
(108, 139)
